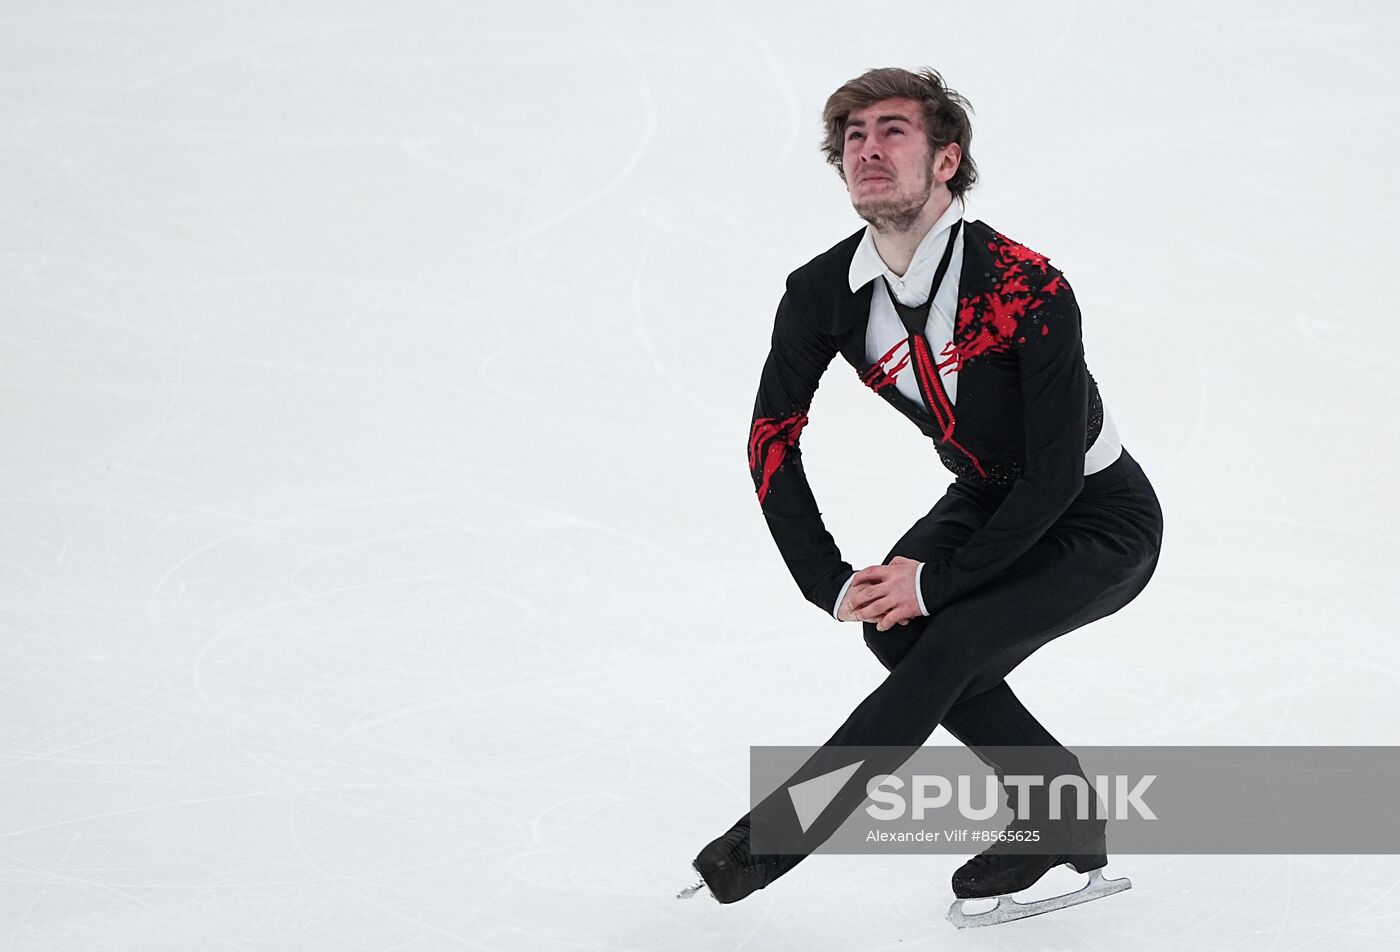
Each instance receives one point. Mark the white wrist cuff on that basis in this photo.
(841, 597)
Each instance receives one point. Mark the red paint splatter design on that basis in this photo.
(987, 321)
(769, 441)
(885, 371)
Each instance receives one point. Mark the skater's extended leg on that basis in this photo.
(894, 720)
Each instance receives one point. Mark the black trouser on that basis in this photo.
(949, 668)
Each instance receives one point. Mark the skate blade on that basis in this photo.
(1009, 910)
(694, 887)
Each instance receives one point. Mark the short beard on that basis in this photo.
(894, 215)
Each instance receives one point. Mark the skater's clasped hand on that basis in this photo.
(883, 594)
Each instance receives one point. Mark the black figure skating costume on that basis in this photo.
(1020, 549)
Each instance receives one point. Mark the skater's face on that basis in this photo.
(890, 169)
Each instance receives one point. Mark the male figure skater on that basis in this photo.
(1049, 524)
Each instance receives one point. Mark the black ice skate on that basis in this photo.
(1000, 871)
(729, 870)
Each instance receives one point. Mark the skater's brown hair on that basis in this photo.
(945, 115)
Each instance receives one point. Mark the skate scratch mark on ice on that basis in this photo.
(37, 751)
(647, 117)
(109, 892)
(1355, 916)
(133, 811)
(1355, 357)
(260, 526)
(92, 110)
(1367, 634)
(392, 713)
(360, 898)
(565, 518)
(672, 658)
(55, 870)
(135, 446)
(776, 156)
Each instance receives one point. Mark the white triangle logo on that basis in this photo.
(811, 797)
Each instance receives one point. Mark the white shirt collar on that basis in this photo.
(867, 265)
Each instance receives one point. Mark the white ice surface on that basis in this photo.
(382, 571)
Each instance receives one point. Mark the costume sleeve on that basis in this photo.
(1055, 408)
(798, 357)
